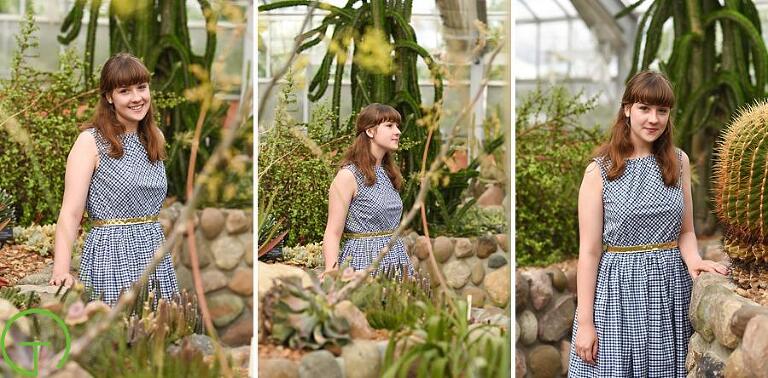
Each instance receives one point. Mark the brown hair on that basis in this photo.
(123, 70)
(651, 88)
(359, 153)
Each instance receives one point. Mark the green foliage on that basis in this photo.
(296, 170)
(39, 116)
(7, 211)
(552, 152)
(447, 345)
(20, 301)
(302, 318)
(717, 65)
(383, 65)
(40, 239)
(475, 221)
(388, 302)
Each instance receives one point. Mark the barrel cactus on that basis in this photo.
(302, 318)
(740, 178)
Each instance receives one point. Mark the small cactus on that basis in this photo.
(302, 318)
(741, 178)
(7, 214)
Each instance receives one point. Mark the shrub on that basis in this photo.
(552, 151)
(7, 213)
(296, 169)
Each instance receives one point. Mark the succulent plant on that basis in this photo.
(302, 318)
(741, 175)
(6, 209)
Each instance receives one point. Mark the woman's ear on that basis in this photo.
(370, 132)
(626, 110)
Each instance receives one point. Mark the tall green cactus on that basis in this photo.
(740, 178)
(356, 26)
(156, 32)
(711, 80)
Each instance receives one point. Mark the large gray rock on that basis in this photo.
(565, 355)
(734, 366)
(721, 321)
(213, 279)
(442, 248)
(541, 288)
(362, 359)
(520, 366)
(278, 368)
(242, 281)
(464, 248)
(225, 308)
(559, 280)
(742, 317)
(497, 261)
(420, 247)
(237, 222)
(211, 222)
(358, 324)
(184, 278)
(557, 322)
(268, 273)
(696, 348)
(456, 274)
(478, 272)
(478, 295)
(529, 327)
(241, 331)
(704, 306)
(521, 291)
(40, 277)
(202, 249)
(47, 293)
(712, 362)
(544, 361)
(755, 345)
(227, 252)
(318, 364)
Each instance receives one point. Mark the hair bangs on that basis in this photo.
(652, 90)
(385, 113)
(126, 72)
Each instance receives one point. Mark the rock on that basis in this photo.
(211, 222)
(478, 273)
(213, 279)
(721, 319)
(227, 252)
(492, 196)
(278, 368)
(269, 272)
(241, 356)
(456, 274)
(240, 332)
(696, 347)
(497, 261)
(544, 361)
(46, 292)
(248, 243)
(517, 331)
(166, 224)
(242, 281)
(225, 308)
(521, 291)
(71, 370)
(704, 305)
(237, 222)
(358, 324)
(184, 278)
(503, 242)
(565, 356)
(464, 248)
(520, 367)
(41, 277)
(559, 281)
(541, 288)
(755, 345)
(202, 248)
(200, 343)
(742, 317)
(420, 247)
(320, 363)
(497, 285)
(556, 322)
(485, 246)
(529, 327)
(493, 315)
(570, 276)
(734, 365)
(363, 358)
(712, 362)
(478, 296)
(442, 248)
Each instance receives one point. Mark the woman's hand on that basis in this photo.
(61, 278)
(706, 266)
(586, 343)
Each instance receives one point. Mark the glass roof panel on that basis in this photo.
(521, 12)
(568, 7)
(545, 9)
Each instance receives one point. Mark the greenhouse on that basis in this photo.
(652, 174)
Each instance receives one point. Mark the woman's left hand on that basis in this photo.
(707, 266)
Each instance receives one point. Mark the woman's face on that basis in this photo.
(386, 135)
(131, 102)
(647, 122)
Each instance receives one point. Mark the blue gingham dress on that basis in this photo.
(115, 256)
(641, 299)
(375, 208)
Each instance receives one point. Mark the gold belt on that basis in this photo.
(124, 221)
(639, 248)
(363, 235)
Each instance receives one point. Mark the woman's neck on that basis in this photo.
(378, 153)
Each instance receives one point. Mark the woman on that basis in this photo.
(637, 251)
(115, 171)
(364, 205)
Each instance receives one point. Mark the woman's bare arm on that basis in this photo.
(590, 240)
(340, 194)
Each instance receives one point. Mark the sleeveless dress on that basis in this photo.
(641, 299)
(115, 256)
(375, 208)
